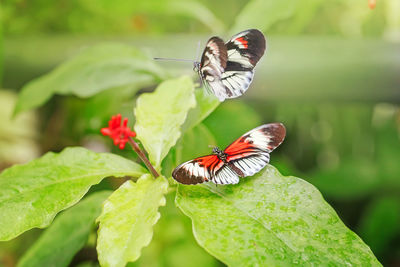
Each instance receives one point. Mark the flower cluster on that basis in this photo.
(119, 133)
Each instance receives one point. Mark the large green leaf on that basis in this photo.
(67, 235)
(271, 220)
(159, 116)
(32, 194)
(173, 243)
(127, 219)
(93, 70)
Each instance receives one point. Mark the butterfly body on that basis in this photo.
(244, 157)
(227, 69)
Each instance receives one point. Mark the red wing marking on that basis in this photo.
(243, 41)
(212, 163)
(198, 170)
(238, 146)
(207, 160)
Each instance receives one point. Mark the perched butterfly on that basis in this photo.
(226, 69)
(244, 157)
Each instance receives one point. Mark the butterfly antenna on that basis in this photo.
(198, 51)
(173, 59)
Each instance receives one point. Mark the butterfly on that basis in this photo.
(227, 69)
(244, 157)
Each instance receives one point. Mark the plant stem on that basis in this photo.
(143, 157)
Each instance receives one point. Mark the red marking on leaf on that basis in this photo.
(119, 133)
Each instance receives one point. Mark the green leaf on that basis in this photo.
(32, 194)
(233, 117)
(67, 235)
(195, 10)
(380, 223)
(159, 116)
(173, 243)
(263, 14)
(1, 49)
(127, 219)
(17, 136)
(93, 70)
(199, 137)
(205, 104)
(271, 220)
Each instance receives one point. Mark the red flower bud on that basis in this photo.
(119, 133)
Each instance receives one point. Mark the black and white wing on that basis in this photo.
(204, 169)
(244, 51)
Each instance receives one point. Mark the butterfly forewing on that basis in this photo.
(250, 153)
(246, 48)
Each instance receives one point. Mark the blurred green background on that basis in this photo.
(331, 74)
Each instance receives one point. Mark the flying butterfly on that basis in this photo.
(244, 157)
(227, 69)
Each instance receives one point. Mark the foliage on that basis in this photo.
(66, 235)
(17, 136)
(316, 16)
(130, 212)
(160, 115)
(89, 73)
(127, 219)
(33, 193)
(382, 216)
(349, 151)
(270, 220)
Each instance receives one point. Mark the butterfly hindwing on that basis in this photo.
(250, 153)
(225, 175)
